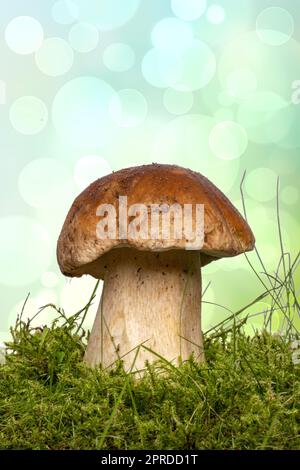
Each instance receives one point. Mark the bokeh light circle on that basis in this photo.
(224, 114)
(89, 168)
(128, 108)
(160, 68)
(265, 116)
(178, 102)
(198, 66)
(25, 250)
(289, 195)
(83, 37)
(274, 26)
(108, 14)
(188, 10)
(171, 34)
(241, 83)
(215, 14)
(286, 132)
(260, 184)
(185, 141)
(49, 279)
(188, 67)
(24, 35)
(228, 140)
(28, 115)
(118, 57)
(80, 111)
(225, 99)
(55, 57)
(64, 11)
(43, 183)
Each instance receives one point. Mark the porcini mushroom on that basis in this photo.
(152, 284)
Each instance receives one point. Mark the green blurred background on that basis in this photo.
(90, 86)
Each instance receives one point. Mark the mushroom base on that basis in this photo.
(149, 300)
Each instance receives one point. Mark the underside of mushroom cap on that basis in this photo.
(81, 251)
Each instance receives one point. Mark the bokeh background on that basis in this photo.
(90, 86)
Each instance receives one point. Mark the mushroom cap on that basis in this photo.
(80, 251)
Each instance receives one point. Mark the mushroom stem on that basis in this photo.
(151, 299)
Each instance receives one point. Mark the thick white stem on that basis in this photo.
(150, 299)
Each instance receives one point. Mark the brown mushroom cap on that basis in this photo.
(80, 251)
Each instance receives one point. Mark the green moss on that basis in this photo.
(246, 396)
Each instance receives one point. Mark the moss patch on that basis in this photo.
(246, 396)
